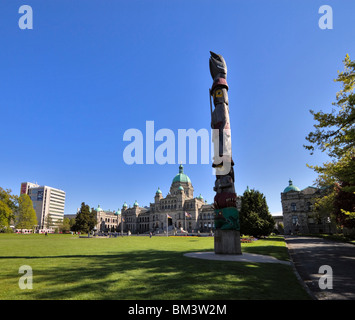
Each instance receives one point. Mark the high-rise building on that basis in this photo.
(48, 203)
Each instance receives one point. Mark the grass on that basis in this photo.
(140, 268)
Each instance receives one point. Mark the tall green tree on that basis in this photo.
(255, 218)
(65, 225)
(335, 135)
(85, 219)
(26, 216)
(335, 131)
(71, 224)
(7, 209)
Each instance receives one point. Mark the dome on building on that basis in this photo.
(98, 209)
(181, 177)
(181, 188)
(158, 191)
(247, 189)
(291, 187)
(200, 197)
(118, 212)
(125, 205)
(136, 204)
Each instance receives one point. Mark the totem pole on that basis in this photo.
(227, 235)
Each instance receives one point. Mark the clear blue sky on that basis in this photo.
(90, 70)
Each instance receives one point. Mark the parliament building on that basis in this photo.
(178, 211)
(298, 214)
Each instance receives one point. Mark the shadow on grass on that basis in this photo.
(154, 275)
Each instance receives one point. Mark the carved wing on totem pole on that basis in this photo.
(225, 201)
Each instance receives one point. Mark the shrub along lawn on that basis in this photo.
(139, 267)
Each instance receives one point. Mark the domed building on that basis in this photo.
(107, 220)
(179, 209)
(291, 187)
(182, 182)
(247, 190)
(297, 211)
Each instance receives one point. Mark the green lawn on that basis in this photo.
(69, 267)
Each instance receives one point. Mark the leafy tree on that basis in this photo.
(343, 205)
(85, 219)
(335, 135)
(65, 226)
(7, 209)
(335, 131)
(323, 206)
(48, 221)
(71, 224)
(26, 216)
(255, 218)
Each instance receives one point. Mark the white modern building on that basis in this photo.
(48, 203)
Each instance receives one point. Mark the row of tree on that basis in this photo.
(18, 211)
(334, 135)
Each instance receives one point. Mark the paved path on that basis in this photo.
(245, 257)
(309, 254)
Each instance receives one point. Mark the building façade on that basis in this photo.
(298, 214)
(178, 210)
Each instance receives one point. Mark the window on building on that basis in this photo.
(294, 220)
(293, 206)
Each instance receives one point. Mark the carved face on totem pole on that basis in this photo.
(218, 67)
